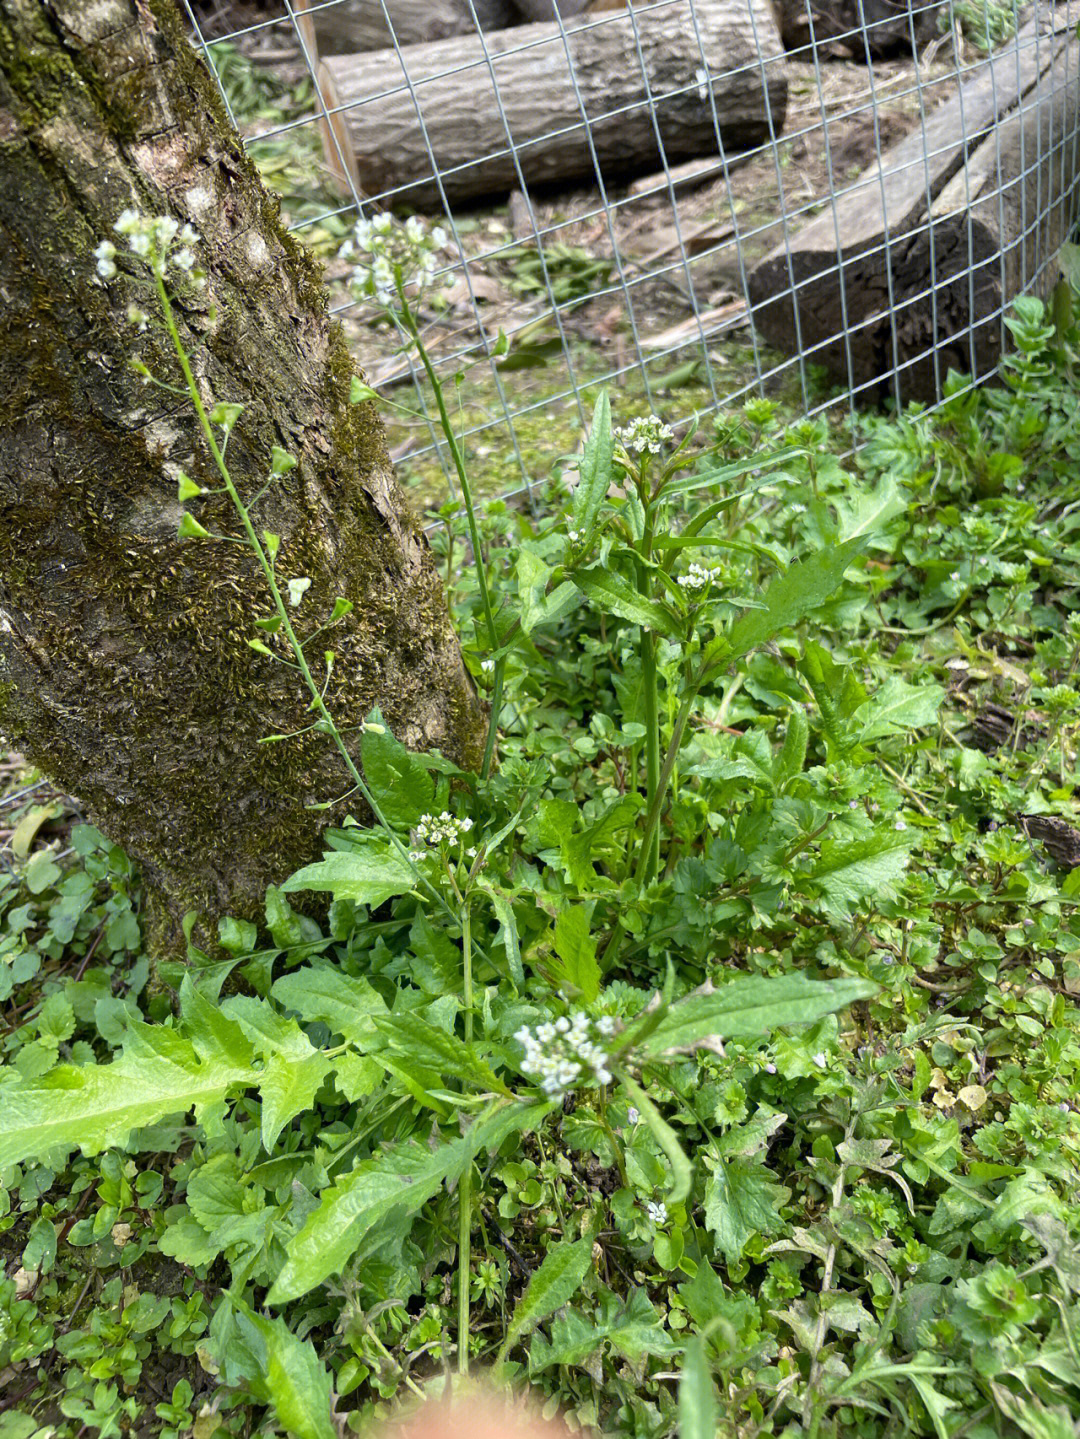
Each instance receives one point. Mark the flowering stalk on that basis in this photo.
(646, 437)
(465, 1182)
(391, 260)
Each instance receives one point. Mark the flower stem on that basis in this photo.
(413, 331)
(318, 703)
(465, 1183)
(652, 721)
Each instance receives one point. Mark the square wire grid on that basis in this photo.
(581, 228)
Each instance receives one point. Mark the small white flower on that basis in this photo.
(645, 433)
(770, 1069)
(955, 576)
(657, 1211)
(701, 79)
(488, 666)
(439, 238)
(900, 825)
(561, 1054)
(632, 1115)
(297, 590)
(700, 577)
(821, 1059)
(853, 804)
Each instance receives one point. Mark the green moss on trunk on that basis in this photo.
(124, 665)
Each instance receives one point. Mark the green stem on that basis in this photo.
(465, 1183)
(318, 703)
(652, 817)
(413, 330)
(652, 720)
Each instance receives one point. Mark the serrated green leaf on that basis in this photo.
(294, 1068)
(434, 1048)
(742, 1198)
(837, 692)
(791, 596)
(752, 1006)
(346, 1004)
(508, 933)
(871, 511)
(851, 872)
(288, 1374)
(896, 708)
(399, 780)
(404, 1177)
(94, 1106)
(594, 469)
(578, 968)
(612, 593)
(791, 759)
(554, 1284)
(369, 875)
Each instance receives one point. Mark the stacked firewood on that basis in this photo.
(448, 100)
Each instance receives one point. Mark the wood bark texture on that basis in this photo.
(910, 269)
(854, 29)
(355, 26)
(549, 9)
(527, 89)
(125, 671)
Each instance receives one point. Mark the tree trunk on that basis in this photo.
(125, 670)
(908, 271)
(355, 26)
(524, 92)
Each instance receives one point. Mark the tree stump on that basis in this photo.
(546, 101)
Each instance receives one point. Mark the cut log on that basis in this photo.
(354, 26)
(939, 234)
(548, 9)
(518, 97)
(855, 29)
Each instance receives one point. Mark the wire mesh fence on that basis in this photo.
(690, 201)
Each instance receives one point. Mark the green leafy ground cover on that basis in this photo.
(818, 1172)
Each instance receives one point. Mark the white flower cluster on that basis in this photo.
(700, 577)
(647, 432)
(158, 239)
(384, 252)
(657, 1211)
(434, 830)
(561, 1053)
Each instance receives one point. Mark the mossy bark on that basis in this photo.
(125, 671)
